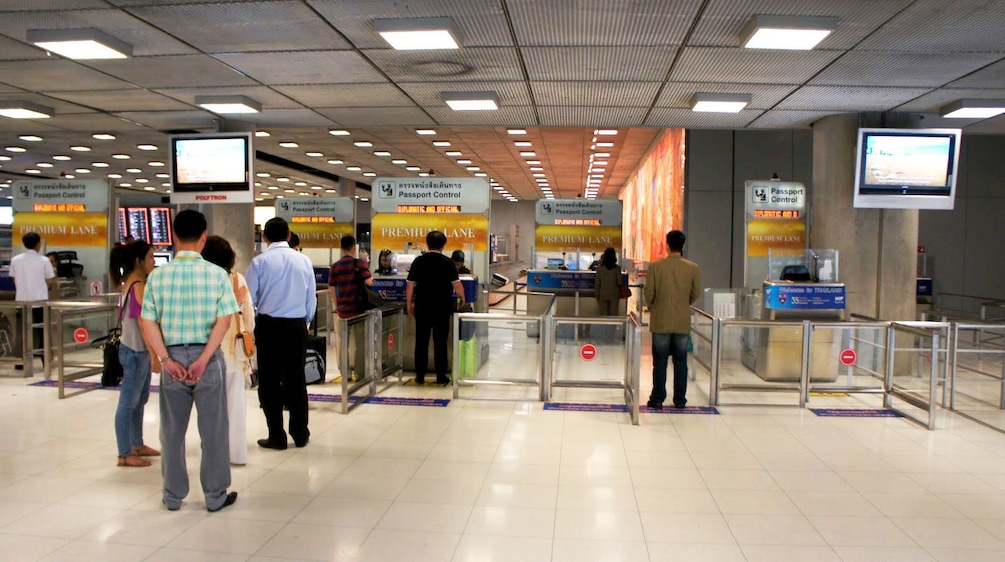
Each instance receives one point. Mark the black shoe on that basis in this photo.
(420, 380)
(443, 381)
(301, 444)
(229, 500)
(266, 444)
(680, 405)
(654, 405)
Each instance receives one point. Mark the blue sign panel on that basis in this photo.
(570, 280)
(804, 297)
(924, 287)
(391, 289)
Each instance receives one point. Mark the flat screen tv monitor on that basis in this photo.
(215, 162)
(161, 258)
(906, 168)
(555, 263)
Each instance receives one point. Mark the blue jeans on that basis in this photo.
(133, 397)
(666, 346)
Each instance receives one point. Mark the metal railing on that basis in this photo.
(17, 343)
(977, 388)
(72, 359)
(918, 386)
(380, 331)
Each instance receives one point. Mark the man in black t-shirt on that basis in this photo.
(432, 282)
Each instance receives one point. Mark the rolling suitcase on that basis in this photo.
(316, 359)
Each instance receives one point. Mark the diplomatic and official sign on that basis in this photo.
(319, 222)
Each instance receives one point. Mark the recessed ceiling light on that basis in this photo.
(381, 153)
(441, 143)
(82, 171)
(602, 154)
(331, 191)
(425, 131)
(263, 174)
(353, 168)
(600, 163)
(61, 157)
(33, 171)
(973, 109)
(315, 154)
(289, 144)
(605, 144)
(523, 144)
(338, 132)
(125, 185)
(147, 146)
(423, 174)
(453, 153)
(121, 156)
(155, 164)
(142, 180)
(273, 187)
(533, 162)
(228, 104)
(99, 164)
(363, 144)
(413, 34)
(464, 162)
(44, 164)
(163, 176)
(69, 176)
(16, 149)
(369, 174)
(536, 169)
(103, 136)
(480, 174)
(30, 138)
(25, 110)
(719, 103)
(262, 134)
(300, 183)
(114, 176)
(528, 154)
(786, 32)
(133, 170)
(539, 175)
(399, 162)
(517, 131)
(283, 180)
(413, 168)
(80, 44)
(316, 188)
(289, 190)
(335, 162)
(473, 169)
(471, 101)
(605, 132)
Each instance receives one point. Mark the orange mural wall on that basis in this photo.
(654, 199)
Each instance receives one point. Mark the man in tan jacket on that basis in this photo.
(672, 284)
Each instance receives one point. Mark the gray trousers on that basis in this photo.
(210, 398)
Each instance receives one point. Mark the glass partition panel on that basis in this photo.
(589, 360)
(979, 373)
(758, 360)
(847, 360)
(498, 358)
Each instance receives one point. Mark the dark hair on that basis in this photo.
(52, 255)
(122, 260)
(609, 259)
(276, 230)
(347, 243)
(675, 240)
(436, 240)
(189, 225)
(458, 255)
(31, 240)
(294, 240)
(218, 251)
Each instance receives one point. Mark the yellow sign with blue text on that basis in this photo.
(557, 238)
(394, 230)
(64, 229)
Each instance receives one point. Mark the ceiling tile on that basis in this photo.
(622, 94)
(347, 95)
(269, 98)
(592, 116)
(245, 26)
(705, 64)
(172, 72)
(784, 119)
(56, 75)
(647, 64)
(848, 98)
(377, 116)
(287, 118)
(304, 67)
(994, 126)
(37, 5)
(941, 26)
(901, 69)
(516, 116)
(723, 20)
(195, 119)
(132, 99)
(991, 77)
(16, 50)
(91, 122)
(547, 23)
(678, 94)
(146, 40)
(449, 65)
(54, 102)
(674, 117)
(428, 93)
(932, 101)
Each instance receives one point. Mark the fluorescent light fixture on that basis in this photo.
(425, 131)
(82, 171)
(262, 134)
(162, 176)
(605, 144)
(335, 162)
(283, 180)
(606, 132)
(147, 146)
(786, 32)
(228, 104)
(528, 154)
(62, 157)
(99, 164)
(363, 144)
(399, 161)
(273, 188)
(414, 34)
(370, 174)
(121, 156)
(338, 132)
(441, 143)
(33, 171)
(134, 170)
(300, 183)
(480, 174)
(523, 144)
(719, 103)
(263, 174)
(413, 168)
(473, 169)
(16, 149)
(539, 175)
(536, 169)
(142, 180)
(381, 153)
(289, 190)
(972, 109)
(600, 163)
(315, 154)
(155, 164)
(25, 110)
(533, 162)
(517, 131)
(115, 176)
(30, 138)
(353, 168)
(464, 162)
(453, 153)
(602, 154)
(289, 144)
(80, 44)
(331, 191)
(103, 136)
(125, 185)
(70, 176)
(471, 101)
(44, 164)
(423, 174)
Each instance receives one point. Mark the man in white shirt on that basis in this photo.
(33, 276)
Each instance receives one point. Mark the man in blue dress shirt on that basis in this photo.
(282, 287)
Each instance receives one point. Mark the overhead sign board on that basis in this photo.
(338, 209)
(776, 199)
(578, 212)
(60, 196)
(459, 195)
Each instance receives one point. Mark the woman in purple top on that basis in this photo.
(129, 265)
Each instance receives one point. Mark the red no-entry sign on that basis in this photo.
(848, 357)
(80, 335)
(390, 342)
(588, 352)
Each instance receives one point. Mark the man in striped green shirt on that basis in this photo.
(186, 312)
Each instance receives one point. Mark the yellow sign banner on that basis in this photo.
(552, 238)
(321, 234)
(391, 230)
(775, 234)
(57, 229)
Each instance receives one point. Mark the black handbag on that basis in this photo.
(111, 368)
(368, 299)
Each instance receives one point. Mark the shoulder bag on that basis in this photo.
(368, 299)
(246, 337)
(111, 367)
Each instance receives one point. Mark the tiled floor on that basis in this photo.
(493, 481)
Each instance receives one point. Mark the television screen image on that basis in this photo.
(220, 162)
(160, 226)
(161, 258)
(555, 263)
(906, 168)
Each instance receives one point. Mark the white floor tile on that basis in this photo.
(343, 512)
(511, 522)
(948, 533)
(315, 542)
(385, 544)
(772, 553)
(671, 552)
(149, 528)
(88, 551)
(23, 547)
(61, 521)
(887, 554)
(769, 502)
(860, 531)
(790, 530)
(596, 497)
(479, 548)
(518, 495)
(598, 525)
(425, 517)
(687, 528)
(577, 550)
(227, 536)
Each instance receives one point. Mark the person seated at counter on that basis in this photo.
(385, 266)
(458, 259)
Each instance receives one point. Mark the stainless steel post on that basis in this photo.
(804, 369)
(60, 351)
(954, 344)
(891, 341)
(934, 382)
(456, 366)
(713, 384)
(47, 342)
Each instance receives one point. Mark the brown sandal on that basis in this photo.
(144, 451)
(133, 461)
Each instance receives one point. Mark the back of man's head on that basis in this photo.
(276, 230)
(436, 240)
(189, 225)
(31, 240)
(675, 240)
(347, 243)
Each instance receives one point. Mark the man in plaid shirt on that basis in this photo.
(186, 312)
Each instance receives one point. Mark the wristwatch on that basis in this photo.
(163, 359)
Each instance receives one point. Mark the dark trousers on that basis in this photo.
(282, 344)
(439, 325)
(665, 347)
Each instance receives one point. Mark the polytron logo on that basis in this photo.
(210, 197)
(385, 189)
